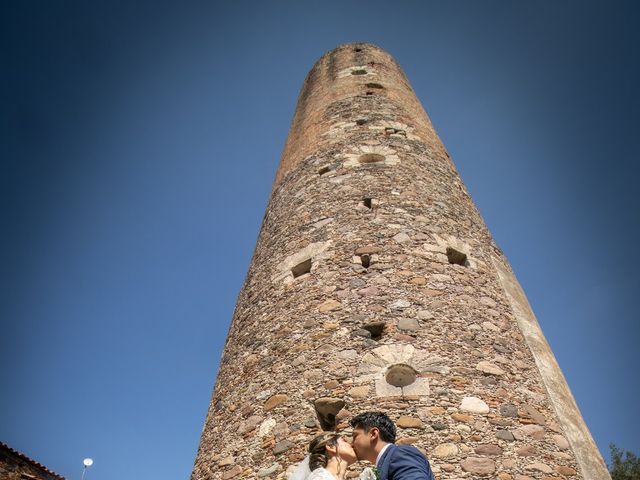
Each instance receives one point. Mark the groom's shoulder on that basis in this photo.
(412, 461)
(409, 452)
(408, 449)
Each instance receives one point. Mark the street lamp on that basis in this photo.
(87, 463)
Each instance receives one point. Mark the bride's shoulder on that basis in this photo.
(320, 474)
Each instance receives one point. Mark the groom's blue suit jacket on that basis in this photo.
(404, 462)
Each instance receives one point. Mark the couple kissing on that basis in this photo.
(373, 439)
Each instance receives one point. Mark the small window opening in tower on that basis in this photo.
(392, 131)
(368, 202)
(361, 121)
(359, 71)
(400, 375)
(369, 93)
(375, 329)
(366, 260)
(371, 158)
(457, 257)
(357, 49)
(374, 85)
(327, 410)
(324, 170)
(301, 268)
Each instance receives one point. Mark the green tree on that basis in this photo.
(624, 464)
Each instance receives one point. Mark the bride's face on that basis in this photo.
(345, 451)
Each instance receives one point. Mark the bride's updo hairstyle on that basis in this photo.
(318, 450)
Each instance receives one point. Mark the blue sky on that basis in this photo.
(139, 144)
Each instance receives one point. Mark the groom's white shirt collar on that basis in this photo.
(382, 453)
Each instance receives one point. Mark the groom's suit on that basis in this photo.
(404, 462)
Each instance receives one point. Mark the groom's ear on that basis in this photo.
(374, 433)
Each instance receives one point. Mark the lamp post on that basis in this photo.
(87, 463)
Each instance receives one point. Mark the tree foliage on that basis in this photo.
(624, 464)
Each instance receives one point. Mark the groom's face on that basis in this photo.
(363, 443)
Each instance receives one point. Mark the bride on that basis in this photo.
(328, 459)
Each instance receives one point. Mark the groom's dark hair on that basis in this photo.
(379, 420)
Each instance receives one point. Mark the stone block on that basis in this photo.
(479, 466)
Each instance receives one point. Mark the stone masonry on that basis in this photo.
(375, 285)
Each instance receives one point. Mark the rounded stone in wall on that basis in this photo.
(400, 375)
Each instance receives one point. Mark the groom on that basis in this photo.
(374, 435)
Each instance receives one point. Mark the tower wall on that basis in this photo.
(374, 269)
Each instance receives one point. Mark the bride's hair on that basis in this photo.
(318, 449)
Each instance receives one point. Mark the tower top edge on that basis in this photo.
(353, 46)
(357, 45)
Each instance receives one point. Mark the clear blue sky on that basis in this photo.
(139, 143)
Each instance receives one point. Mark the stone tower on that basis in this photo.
(375, 285)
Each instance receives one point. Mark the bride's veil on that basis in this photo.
(302, 471)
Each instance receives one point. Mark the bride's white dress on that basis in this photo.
(321, 474)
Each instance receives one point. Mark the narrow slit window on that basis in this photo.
(375, 85)
(359, 71)
(371, 158)
(375, 329)
(324, 170)
(368, 202)
(301, 268)
(366, 260)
